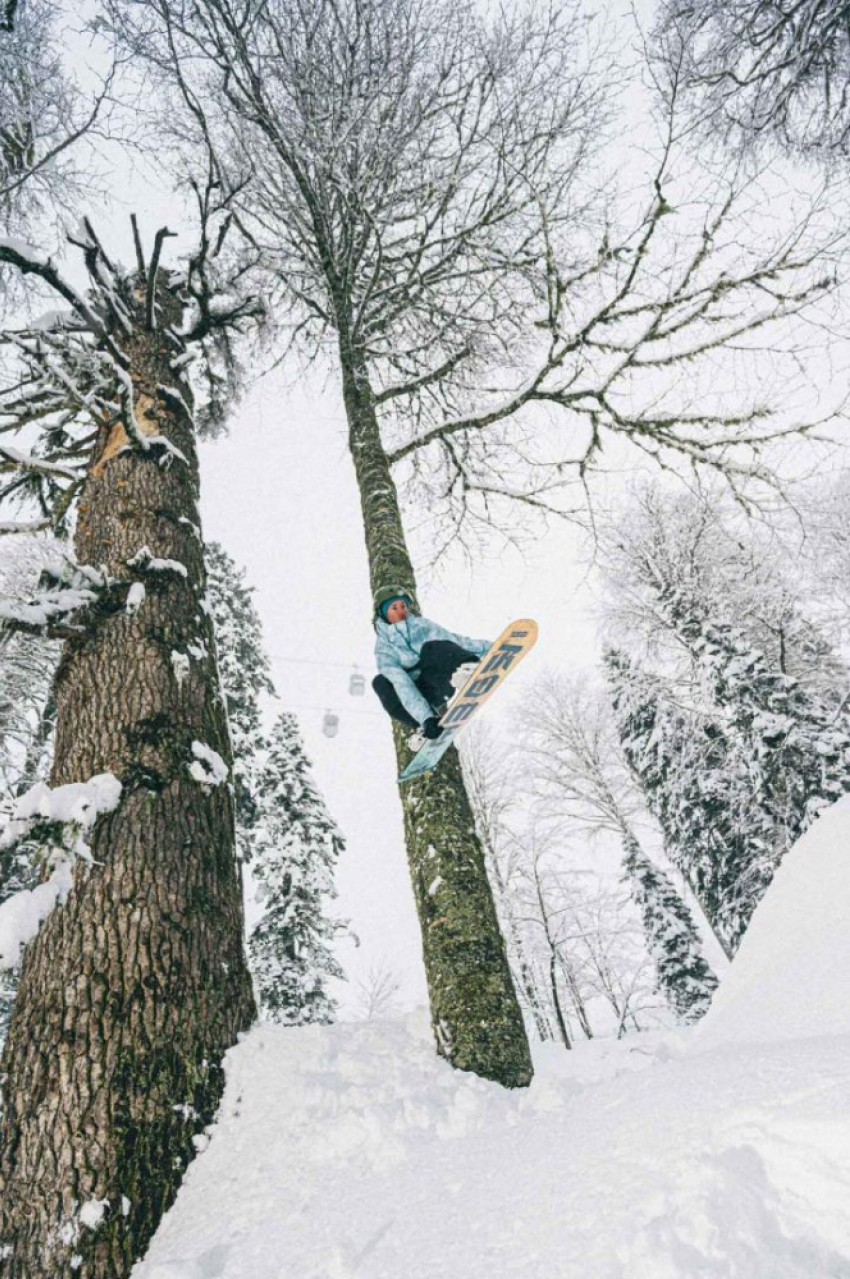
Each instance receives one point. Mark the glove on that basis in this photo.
(431, 729)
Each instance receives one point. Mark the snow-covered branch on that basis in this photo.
(55, 821)
(61, 608)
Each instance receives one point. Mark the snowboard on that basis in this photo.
(502, 657)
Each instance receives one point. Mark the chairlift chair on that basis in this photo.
(356, 683)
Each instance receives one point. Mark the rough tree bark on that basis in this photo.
(475, 1013)
(135, 987)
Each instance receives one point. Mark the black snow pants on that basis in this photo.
(438, 660)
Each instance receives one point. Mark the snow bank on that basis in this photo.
(791, 975)
(352, 1152)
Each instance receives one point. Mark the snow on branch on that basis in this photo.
(28, 262)
(71, 588)
(77, 804)
(55, 822)
(29, 462)
(22, 914)
(147, 562)
(208, 767)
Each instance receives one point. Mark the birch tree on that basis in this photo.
(581, 783)
(493, 794)
(135, 983)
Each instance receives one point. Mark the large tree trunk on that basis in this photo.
(474, 1009)
(135, 987)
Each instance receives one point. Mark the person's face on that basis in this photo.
(397, 611)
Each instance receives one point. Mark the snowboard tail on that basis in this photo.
(502, 657)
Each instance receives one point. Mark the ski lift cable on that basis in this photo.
(356, 678)
(323, 706)
(310, 661)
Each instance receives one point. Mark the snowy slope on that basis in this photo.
(791, 976)
(350, 1152)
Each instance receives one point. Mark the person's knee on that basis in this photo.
(437, 652)
(444, 655)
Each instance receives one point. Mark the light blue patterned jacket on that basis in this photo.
(397, 650)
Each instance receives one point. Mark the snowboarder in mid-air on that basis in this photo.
(420, 664)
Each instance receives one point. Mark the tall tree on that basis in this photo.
(136, 983)
(295, 849)
(418, 191)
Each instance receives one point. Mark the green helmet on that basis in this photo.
(386, 594)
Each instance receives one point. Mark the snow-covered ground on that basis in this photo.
(351, 1152)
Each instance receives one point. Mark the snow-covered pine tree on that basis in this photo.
(245, 675)
(732, 713)
(796, 740)
(684, 977)
(296, 845)
(282, 824)
(27, 666)
(683, 767)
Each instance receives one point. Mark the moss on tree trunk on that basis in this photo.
(136, 986)
(475, 1013)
